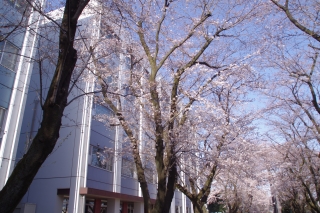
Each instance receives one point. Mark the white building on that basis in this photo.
(74, 178)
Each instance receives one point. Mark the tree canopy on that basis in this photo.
(218, 98)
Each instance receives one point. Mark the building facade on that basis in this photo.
(80, 175)
(16, 40)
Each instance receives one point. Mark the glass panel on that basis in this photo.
(130, 207)
(2, 113)
(89, 207)
(1, 48)
(9, 57)
(114, 61)
(128, 168)
(104, 205)
(6, 77)
(6, 84)
(21, 5)
(102, 110)
(111, 81)
(90, 155)
(128, 62)
(101, 158)
(149, 175)
(5, 94)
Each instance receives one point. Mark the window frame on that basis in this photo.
(130, 207)
(4, 53)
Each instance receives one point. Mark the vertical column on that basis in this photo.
(138, 208)
(124, 207)
(141, 144)
(117, 161)
(80, 155)
(118, 139)
(184, 203)
(173, 204)
(97, 206)
(183, 196)
(82, 203)
(113, 206)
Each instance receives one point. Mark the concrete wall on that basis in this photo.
(129, 186)
(99, 179)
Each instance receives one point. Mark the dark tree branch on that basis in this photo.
(304, 29)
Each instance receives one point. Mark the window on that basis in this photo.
(111, 62)
(178, 209)
(100, 158)
(89, 207)
(104, 115)
(2, 113)
(19, 5)
(65, 203)
(103, 207)
(128, 62)
(101, 110)
(8, 55)
(130, 207)
(188, 210)
(128, 168)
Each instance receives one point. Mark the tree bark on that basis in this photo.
(55, 103)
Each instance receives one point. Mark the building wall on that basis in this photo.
(66, 166)
(9, 16)
(14, 81)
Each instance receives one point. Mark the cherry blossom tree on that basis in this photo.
(242, 183)
(216, 132)
(294, 169)
(303, 15)
(293, 110)
(295, 56)
(178, 53)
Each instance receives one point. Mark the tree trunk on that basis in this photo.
(197, 206)
(55, 103)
